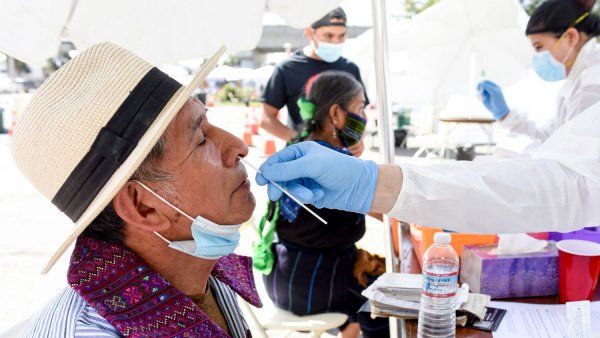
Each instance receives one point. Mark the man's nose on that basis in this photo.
(232, 149)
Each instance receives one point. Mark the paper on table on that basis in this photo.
(380, 297)
(462, 295)
(578, 315)
(539, 321)
(399, 280)
(476, 304)
(395, 285)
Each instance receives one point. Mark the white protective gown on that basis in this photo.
(558, 189)
(580, 91)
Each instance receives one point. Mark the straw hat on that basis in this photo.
(91, 124)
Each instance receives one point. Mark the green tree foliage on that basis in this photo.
(414, 7)
(530, 6)
(232, 61)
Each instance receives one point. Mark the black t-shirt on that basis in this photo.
(288, 79)
(342, 231)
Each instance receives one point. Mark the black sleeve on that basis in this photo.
(357, 75)
(274, 93)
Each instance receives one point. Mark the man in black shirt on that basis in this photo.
(326, 38)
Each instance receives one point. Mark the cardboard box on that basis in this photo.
(421, 238)
(510, 276)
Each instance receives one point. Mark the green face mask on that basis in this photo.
(353, 130)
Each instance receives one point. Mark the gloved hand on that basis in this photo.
(493, 99)
(322, 177)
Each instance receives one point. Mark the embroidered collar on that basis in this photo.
(138, 301)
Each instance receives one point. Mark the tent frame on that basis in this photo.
(386, 149)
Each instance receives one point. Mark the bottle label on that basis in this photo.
(440, 285)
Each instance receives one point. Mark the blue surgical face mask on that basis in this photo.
(211, 240)
(548, 68)
(329, 52)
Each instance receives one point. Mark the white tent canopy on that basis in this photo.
(448, 48)
(160, 31)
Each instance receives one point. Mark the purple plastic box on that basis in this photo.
(509, 276)
(591, 234)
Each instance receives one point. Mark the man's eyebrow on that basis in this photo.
(196, 123)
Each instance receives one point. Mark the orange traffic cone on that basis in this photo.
(254, 123)
(247, 133)
(270, 148)
(13, 123)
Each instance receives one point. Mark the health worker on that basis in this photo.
(563, 34)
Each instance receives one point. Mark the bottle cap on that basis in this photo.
(442, 238)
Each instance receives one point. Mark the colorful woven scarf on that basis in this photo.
(138, 301)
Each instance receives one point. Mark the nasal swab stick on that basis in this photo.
(286, 192)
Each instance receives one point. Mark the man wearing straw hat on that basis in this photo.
(156, 193)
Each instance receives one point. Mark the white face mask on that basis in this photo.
(211, 240)
(329, 52)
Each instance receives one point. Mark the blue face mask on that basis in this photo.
(329, 52)
(211, 240)
(548, 68)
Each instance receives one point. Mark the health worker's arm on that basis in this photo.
(270, 122)
(586, 95)
(508, 196)
(556, 190)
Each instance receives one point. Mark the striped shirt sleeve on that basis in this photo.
(68, 315)
(227, 301)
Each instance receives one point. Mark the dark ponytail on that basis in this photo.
(556, 16)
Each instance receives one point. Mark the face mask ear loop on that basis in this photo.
(314, 41)
(162, 237)
(166, 202)
(567, 57)
(568, 54)
(575, 23)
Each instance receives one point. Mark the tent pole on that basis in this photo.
(387, 149)
(11, 67)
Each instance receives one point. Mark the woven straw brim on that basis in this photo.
(137, 156)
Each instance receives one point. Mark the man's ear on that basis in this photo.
(138, 208)
(308, 33)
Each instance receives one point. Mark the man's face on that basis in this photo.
(330, 34)
(209, 179)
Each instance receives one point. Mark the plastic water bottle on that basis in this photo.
(437, 317)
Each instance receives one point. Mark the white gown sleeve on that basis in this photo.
(518, 123)
(585, 95)
(557, 190)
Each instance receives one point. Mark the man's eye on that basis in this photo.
(202, 141)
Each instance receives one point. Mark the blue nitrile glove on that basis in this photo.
(321, 177)
(493, 99)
